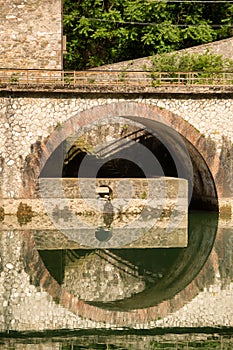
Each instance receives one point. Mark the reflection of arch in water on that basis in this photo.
(39, 275)
(201, 153)
(164, 272)
(185, 264)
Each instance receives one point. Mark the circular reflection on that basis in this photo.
(125, 279)
(102, 234)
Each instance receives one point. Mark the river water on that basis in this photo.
(118, 281)
(121, 342)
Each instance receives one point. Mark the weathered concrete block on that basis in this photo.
(74, 213)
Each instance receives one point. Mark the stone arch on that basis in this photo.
(144, 113)
(202, 150)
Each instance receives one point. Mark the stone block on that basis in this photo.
(74, 213)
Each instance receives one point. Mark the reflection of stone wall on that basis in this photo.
(26, 301)
(224, 250)
(100, 276)
(24, 305)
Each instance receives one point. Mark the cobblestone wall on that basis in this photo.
(26, 121)
(30, 34)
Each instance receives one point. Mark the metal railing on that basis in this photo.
(111, 78)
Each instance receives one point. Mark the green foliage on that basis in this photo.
(144, 195)
(187, 62)
(204, 68)
(107, 31)
(14, 78)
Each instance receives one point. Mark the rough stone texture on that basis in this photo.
(209, 309)
(34, 125)
(31, 34)
(117, 280)
(25, 120)
(24, 306)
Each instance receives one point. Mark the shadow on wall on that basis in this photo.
(120, 158)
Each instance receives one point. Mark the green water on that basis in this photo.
(123, 342)
(166, 270)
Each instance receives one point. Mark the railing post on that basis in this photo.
(141, 78)
(192, 77)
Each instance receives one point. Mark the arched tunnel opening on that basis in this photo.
(176, 156)
(154, 274)
(123, 168)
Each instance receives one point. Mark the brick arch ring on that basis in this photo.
(35, 266)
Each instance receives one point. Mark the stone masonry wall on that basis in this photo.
(26, 120)
(31, 34)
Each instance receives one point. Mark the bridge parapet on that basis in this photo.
(108, 81)
(28, 120)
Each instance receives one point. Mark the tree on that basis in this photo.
(107, 31)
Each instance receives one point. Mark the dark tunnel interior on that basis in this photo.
(165, 271)
(173, 161)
